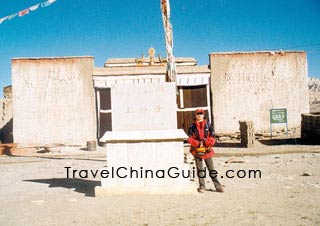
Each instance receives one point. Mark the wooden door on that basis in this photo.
(193, 97)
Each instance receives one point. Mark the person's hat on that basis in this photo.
(199, 110)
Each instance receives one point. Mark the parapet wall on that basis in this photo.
(245, 86)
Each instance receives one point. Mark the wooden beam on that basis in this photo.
(181, 97)
(98, 110)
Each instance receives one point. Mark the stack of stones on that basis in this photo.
(310, 128)
(247, 133)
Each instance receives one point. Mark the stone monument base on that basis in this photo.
(169, 186)
(145, 162)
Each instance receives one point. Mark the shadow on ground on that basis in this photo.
(291, 141)
(228, 145)
(268, 142)
(80, 185)
(62, 157)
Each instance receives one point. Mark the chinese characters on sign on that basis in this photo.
(278, 116)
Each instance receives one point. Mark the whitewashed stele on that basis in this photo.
(144, 137)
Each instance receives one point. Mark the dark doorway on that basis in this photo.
(103, 97)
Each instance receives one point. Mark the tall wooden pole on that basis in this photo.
(171, 72)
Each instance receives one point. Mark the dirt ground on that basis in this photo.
(34, 190)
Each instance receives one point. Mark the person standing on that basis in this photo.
(201, 139)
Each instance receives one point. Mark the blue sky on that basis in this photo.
(126, 28)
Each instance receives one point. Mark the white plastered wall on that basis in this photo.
(53, 100)
(245, 86)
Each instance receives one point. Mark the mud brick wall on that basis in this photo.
(310, 128)
(53, 100)
(246, 85)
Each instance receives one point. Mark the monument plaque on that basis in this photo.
(143, 106)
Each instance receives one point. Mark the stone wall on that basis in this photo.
(53, 100)
(6, 116)
(245, 86)
(314, 90)
(310, 128)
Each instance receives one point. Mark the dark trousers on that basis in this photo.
(200, 172)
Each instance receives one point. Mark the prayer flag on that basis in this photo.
(35, 7)
(26, 11)
(3, 19)
(23, 12)
(12, 16)
(45, 4)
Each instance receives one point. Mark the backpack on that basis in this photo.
(208, 130)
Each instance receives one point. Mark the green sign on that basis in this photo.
(278, 115)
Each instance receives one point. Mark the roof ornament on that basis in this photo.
(162, 61)
(139, 61)
(151, 53)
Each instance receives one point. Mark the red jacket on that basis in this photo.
(201, 131)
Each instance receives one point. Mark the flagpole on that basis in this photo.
(171, 72)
